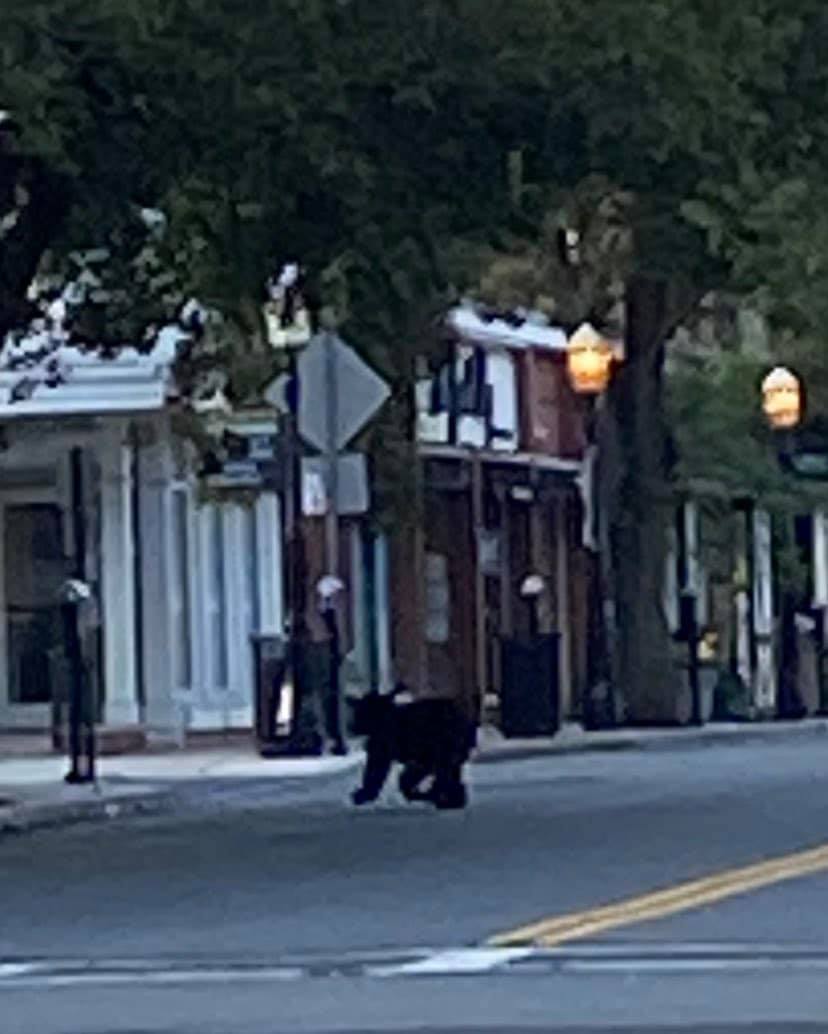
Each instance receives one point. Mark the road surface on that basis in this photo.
(259, 912)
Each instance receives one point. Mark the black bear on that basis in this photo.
(432, 739)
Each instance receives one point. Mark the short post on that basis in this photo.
(531, 589)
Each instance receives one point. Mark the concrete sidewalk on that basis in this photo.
(493, 747)
(33, 792)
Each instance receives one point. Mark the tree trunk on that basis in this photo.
(639, 512)
(408, 607)
(40, 201)
(398, 469)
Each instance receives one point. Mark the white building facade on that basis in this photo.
(178, 585)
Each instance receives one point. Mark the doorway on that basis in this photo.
(33, 569)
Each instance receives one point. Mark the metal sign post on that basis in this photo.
(331, 454)
(75, 592)
(331, 610)
(339, 395)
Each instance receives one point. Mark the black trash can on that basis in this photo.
(269, 663)
(530, 689)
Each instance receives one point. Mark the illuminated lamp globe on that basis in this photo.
(782, 399)
(589, 361)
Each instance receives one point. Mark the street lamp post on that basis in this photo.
(782, 406)
(288, 329)
(589, 359)
(75, 592)
(782, 399)
(589, 362)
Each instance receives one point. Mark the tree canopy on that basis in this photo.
(381, 141)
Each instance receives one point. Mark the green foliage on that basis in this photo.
(363, 138)
(408, 151)
(708, 119)
(724, 445)
(381, 142)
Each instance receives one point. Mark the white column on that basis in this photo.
(587, 490)
(239, 663)
(270, 566)
(206, 606)
(765, 682)
(744, 664)
(118, 583)
(385, 676)
(820, 558)
(690, 517)
(157, 576)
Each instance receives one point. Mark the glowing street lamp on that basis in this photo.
(589, 358)
(782, 399)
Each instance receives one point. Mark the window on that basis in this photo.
(34, 570)
(181, 603)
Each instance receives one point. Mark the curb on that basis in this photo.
(708, 736)
(528, 751)
(22, 818)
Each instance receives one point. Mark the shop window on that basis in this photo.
(34, 570)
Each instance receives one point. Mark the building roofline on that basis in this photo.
(467, 322)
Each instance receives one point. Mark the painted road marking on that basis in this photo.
(453, 963)
(16, 969)
(681, 897)
(583, 961)
(676, 967)
(32, 978)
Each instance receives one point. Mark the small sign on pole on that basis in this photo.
(314, 496)
(352, 497)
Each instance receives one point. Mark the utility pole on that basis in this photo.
(330, 605)
(75, 592)
(332, 395)
(288, 330)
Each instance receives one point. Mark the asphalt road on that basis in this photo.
(253, 914)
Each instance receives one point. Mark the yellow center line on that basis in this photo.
(681, 897)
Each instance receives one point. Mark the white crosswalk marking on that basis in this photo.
(456, 961)
(15, 969)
